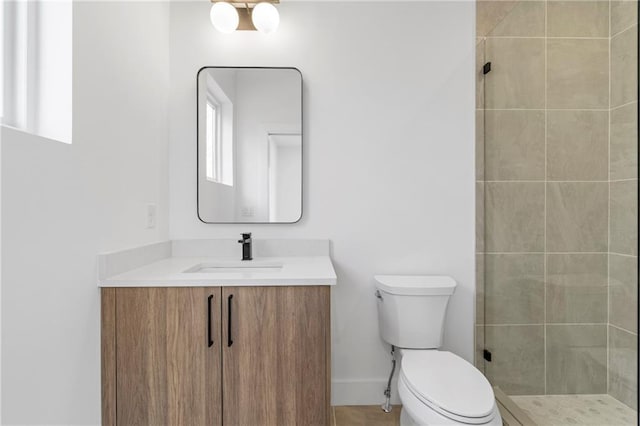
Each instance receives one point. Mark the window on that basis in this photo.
(213, 147)
(2, 25)
(219, 134)
(36, 52)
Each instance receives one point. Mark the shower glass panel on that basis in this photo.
(557, 120)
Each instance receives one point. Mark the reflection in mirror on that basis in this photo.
(249, 145)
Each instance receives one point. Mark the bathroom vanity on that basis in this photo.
(200, 340)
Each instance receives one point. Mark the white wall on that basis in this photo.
(388, 153)
(63, 204)
(388, 169)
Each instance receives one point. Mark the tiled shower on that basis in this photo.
(557, 197)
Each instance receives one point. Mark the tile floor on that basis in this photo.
(365, 415)
(570, 410)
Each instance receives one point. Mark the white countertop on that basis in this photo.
(171, 272)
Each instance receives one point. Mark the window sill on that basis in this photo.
(12, 129)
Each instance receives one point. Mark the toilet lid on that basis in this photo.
(448, 383)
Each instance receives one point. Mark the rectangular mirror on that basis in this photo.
(249, 145)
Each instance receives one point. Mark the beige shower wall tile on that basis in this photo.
(577, 216)
(490, 13)
(480, 217)
(517, 76)
(517, 352)
(577, 145)
(576, 359)
(514, 288)
(479, 345)
(480, 289)
(576, 288)
(480, 144)
(525, 19)
(578, 18)
(514, 217)
(624, 67)
(623, 15)
(577, 73)
(624, 211)
(514, 145)
(480, 48)
(624, 142)
(623, 366)
(623, 292)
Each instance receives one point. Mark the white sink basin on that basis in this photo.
(251, 266)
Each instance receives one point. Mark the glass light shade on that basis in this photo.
(265, 18)
(224, 17)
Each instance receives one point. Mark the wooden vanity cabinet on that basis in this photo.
(216, 356)
(275, 364)
(157, 365)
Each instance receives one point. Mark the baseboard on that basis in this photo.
(362, 392)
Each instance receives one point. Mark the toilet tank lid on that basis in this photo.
(416, 285)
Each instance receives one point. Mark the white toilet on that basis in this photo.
(435, 387)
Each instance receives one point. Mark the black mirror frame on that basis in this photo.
(198, 146)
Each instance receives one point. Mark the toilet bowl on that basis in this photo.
(435, 387)
(440, 388)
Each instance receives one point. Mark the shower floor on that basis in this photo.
(562, 410)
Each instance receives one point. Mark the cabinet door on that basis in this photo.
(168, 372)
(276, 356)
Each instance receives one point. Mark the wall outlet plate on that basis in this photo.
(151, 216)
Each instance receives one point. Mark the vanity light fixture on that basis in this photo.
(224, 17)
(253, 15)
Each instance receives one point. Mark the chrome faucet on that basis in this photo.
(246, 246)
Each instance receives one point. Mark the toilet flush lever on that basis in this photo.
(378, 295)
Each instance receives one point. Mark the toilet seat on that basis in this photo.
(448, 385)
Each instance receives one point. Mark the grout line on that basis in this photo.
(549, 38)
(623, 180)
(623, 105)
(623, 329)
(620, 32)
(623, 255)
(549, 109)
(540, 324)
(608, 205)
(551, 252)
(535, 324)
(546, 175)
(549, 181)
(567, 395)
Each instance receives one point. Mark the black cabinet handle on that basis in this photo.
(209, 331)
(229, 339)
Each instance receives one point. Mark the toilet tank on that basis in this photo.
(411, 309)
